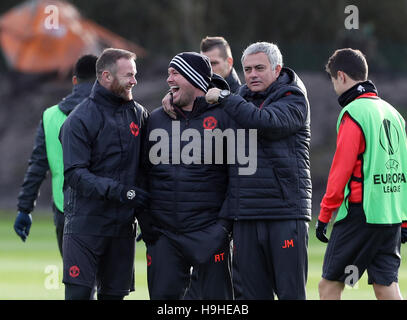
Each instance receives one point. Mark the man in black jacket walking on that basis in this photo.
(270, 208)
(187, 187)
(101, 142)
(47, 152)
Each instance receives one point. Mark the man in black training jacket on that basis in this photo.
(101, 142)
(187, 190)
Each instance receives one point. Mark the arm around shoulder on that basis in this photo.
(282, 116)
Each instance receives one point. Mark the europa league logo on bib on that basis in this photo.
(389, 137)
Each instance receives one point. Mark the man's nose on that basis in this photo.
(252, 73)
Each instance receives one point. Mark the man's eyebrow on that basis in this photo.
(255, 66)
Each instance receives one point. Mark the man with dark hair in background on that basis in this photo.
(101, 141)
(366, 184)
(47, 153)
(217, 49)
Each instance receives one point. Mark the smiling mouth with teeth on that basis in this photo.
(174, 89)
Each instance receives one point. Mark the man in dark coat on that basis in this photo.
(47, 152)
(271, 207)
(101, 142)
(217, 49)
(187, 187)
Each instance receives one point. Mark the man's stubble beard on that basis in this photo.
(120, 90)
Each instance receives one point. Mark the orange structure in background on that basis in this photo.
(40, 36)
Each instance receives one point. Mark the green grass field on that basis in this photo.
(33, 270)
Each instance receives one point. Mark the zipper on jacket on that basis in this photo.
(175, 190)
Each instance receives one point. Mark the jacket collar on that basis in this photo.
(79, 93)
(233, 81)
(357, 90)
(199, 107)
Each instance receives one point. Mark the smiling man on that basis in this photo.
(270, 209)
(101, 142)
(186, 197)
(124, 79)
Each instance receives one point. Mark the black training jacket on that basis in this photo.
(233, 81)
(185, 196)
(101, 142)
(281, 186)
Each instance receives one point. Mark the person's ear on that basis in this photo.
(278, 70)
(341, 76)
(107, 76)
(230, 61)
(74, 80)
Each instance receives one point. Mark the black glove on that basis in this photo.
(403, 233)
(320, 231)
(148, 233)
(135, 197)
(22, 224)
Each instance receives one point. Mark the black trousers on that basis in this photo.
(170, 258)
(194, 289)
(59, 221)
(355, 247)
(270, 258)
(106, 261)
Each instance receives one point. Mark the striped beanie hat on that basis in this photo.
(195, 67)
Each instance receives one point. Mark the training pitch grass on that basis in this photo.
(33, 270)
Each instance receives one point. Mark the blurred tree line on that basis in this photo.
(306, 31)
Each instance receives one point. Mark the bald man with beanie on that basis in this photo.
(186, 191)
